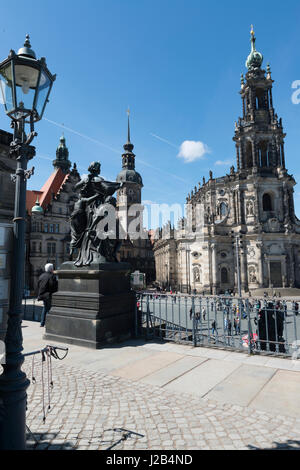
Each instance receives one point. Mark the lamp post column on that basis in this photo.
(13, 381)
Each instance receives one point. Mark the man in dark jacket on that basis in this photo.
(47, 285)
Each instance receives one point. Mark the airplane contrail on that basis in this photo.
(95, 141)
(164, 140)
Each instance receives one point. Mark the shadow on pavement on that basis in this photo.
(288, 445)
(37, 441)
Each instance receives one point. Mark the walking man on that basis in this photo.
(47, 285)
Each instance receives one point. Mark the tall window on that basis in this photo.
(267, 203)
(51, 228)
(223, 209)
(260, 99)
(56, 228)
(51, 248)
(46, 228)
(249, 155)
(224, 276)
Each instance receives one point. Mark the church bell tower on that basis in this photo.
(259, 134)
(131, 191)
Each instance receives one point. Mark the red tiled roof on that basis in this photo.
(31, 197)
(52, 186)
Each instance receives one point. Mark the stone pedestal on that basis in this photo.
(94, 305)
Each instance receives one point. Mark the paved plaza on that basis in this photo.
(174, 397)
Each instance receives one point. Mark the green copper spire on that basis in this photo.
(255, 59)
(37, 209)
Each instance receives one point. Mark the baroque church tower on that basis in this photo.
(259, 138)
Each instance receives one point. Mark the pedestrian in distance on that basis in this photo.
(213, 328)
(237, 326)
(47, 285)
(229, 327)
(203, 313)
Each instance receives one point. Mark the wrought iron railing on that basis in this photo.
(267, 326)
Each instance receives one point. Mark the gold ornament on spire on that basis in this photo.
(252, 30)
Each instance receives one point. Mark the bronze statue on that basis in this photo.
(94, 203)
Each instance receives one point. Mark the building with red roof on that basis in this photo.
(48, 212)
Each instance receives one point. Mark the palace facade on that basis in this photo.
(48, 213)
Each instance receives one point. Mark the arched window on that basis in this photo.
(263, 153)
(224, 276)
(260, 99)
(267, 203)
(223, 209)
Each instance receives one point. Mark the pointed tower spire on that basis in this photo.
(128, 135)
(128, 147)
(128, 172)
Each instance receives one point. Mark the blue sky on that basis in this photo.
(175, 63)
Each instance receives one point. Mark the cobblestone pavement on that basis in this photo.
(88, 409)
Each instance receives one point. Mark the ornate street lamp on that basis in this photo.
(25, 85)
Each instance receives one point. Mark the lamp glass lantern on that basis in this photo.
(25, 84)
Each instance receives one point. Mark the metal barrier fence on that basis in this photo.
(268, 325)
(32, 309)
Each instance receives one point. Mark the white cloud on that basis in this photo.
(223, 162)
(191, 150)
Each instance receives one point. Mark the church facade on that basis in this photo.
(242, 233)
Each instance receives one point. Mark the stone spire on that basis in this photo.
(62, 156)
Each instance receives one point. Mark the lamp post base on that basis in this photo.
(13, 402)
